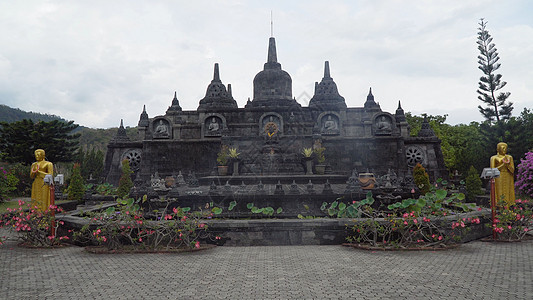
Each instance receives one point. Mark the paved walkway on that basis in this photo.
(475, 270)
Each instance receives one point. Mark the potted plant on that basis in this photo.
(222, 160)
(234, 155)
(321, 159)
(308, 158)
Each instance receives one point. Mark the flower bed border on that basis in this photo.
(137, 250)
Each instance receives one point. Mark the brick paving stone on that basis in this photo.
(475, 270)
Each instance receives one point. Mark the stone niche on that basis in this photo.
(271, 131)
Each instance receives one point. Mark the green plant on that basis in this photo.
(106, 189)
(8, 184)
(125, 184)
(307, 152)
(20, 171)
(222, 156)
(321, 158)
(232, 152)
(124, 225)
(513, 223)
(425, 222)
(421, 179)
(76, 188)
(267, 211)
(32, 225)
(524, 175)
(340, 209)
(473, 184)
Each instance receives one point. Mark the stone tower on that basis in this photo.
(272, 86)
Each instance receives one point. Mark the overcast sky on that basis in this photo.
(96, 62)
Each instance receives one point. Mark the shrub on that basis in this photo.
(424, 222)
(513, 223)
(125, 225)
(76, 188)
(223, 156)
(473, 184)
(125, 184)
(21, 172)
(421, 179)
(32, 225)
(8, 184)
(524, 175)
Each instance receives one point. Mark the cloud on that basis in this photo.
(102, 61)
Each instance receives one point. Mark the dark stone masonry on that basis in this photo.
(270, 132)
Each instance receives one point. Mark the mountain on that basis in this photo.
(8, 114)
(90, 138)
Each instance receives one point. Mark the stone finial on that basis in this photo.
(426, 130)
(400, 115)
(229, 90)
(370, 104)
(121, 135)
(327, 95)
(216, 95)
(370, 96)
(326, 70)
(175, 100)
(175, 106)
(143, 120)
(272, 55)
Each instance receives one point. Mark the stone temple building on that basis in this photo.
(270, 132)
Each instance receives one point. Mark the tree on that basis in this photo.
(125, 183)
(19, 140)
(473, 184)
(92, 163)
(497, 107)
(76, 188)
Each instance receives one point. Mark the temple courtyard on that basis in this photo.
(475, 270)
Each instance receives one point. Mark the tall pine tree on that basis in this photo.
(496, 107)
(19, 140)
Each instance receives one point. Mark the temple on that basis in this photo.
(271, 131)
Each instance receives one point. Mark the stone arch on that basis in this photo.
(213, 125)
(329, 123)
(270, 123)
(161, 128)
(383, 124)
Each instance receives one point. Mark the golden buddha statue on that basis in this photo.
(505, 183)
(40, 192)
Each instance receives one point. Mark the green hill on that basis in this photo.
(90, 138)
(8, 114)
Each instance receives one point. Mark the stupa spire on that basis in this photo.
(272, 55)
(216, 75)
(326, 70)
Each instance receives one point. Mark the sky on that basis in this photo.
(97, 62)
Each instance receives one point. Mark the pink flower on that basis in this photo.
(440, 237)
(197, 245)
(479, 208)
(201, 225)
(525, 229)
(415, 221)
(509, 226)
